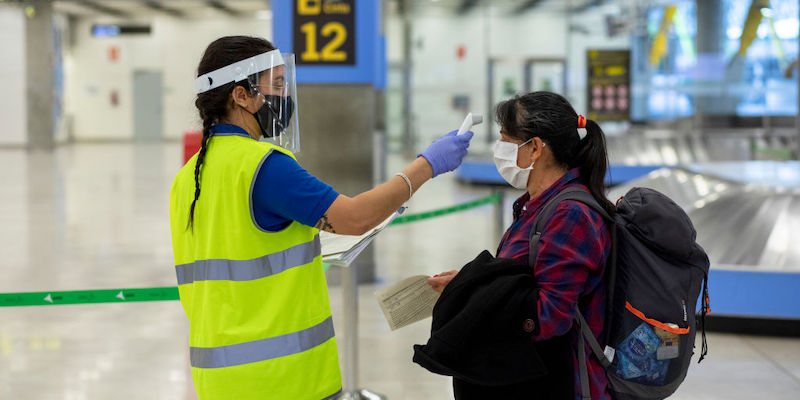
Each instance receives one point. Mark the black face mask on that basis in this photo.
(274, 116)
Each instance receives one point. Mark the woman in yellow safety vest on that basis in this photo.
(245, 219)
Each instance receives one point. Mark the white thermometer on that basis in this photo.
(469, 122)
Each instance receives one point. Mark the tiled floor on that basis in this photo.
(96, 216)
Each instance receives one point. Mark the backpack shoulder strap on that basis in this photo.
(584, 333)
(572, 193)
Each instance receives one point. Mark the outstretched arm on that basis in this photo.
(357, 215)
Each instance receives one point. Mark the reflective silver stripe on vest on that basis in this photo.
(262, 350)
(248, 270)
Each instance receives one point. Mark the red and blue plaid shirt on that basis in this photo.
(573, 249)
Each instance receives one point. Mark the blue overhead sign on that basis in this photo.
(334, 41)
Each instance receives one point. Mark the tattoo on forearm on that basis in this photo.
(324, 224)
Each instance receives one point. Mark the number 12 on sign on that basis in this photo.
(324, 32)
(331, 51)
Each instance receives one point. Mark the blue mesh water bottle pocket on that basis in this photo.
(649, 352)
(638, 359)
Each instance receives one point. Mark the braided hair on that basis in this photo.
(215, 104)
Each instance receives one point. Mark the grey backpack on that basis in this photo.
(654, 275)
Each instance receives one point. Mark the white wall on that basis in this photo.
(438, 75)
(488, 32)
(485, 33)
(13, 100)
(174, 47)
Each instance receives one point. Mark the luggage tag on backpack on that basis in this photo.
(669, 348)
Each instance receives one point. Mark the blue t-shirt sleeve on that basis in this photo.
(284, 192)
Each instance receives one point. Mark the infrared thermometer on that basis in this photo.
(469, 122)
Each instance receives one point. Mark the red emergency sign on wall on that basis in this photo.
(461, 52)
(113, 54)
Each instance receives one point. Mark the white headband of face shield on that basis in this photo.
(238, 71)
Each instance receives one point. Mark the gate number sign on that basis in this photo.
(324, 32)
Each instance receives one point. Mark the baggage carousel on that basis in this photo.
(748, 228)
(747, 216)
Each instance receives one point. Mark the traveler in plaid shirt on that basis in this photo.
(540, 150)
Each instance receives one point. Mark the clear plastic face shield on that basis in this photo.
(271, 79)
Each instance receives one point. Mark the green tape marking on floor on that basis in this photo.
(88, 296)
(54, 298)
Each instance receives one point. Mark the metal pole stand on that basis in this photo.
(350, 389)
(499, 220)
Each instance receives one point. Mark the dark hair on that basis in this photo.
(550, 117)
(213, 104)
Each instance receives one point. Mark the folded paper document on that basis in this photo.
(407, 301)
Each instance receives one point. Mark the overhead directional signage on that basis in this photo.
(334, 41)
(324, 32)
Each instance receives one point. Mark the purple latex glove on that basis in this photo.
(445, 154)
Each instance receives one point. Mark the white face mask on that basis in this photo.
(505, 159)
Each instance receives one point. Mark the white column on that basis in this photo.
(39, 59)
(13, 98)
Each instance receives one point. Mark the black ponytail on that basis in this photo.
(592, 159)
(550, 117)
(215, 104)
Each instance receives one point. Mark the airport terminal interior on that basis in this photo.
(698, 99)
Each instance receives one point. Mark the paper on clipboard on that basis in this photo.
(342, 250)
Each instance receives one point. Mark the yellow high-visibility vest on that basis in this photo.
(257, 301)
